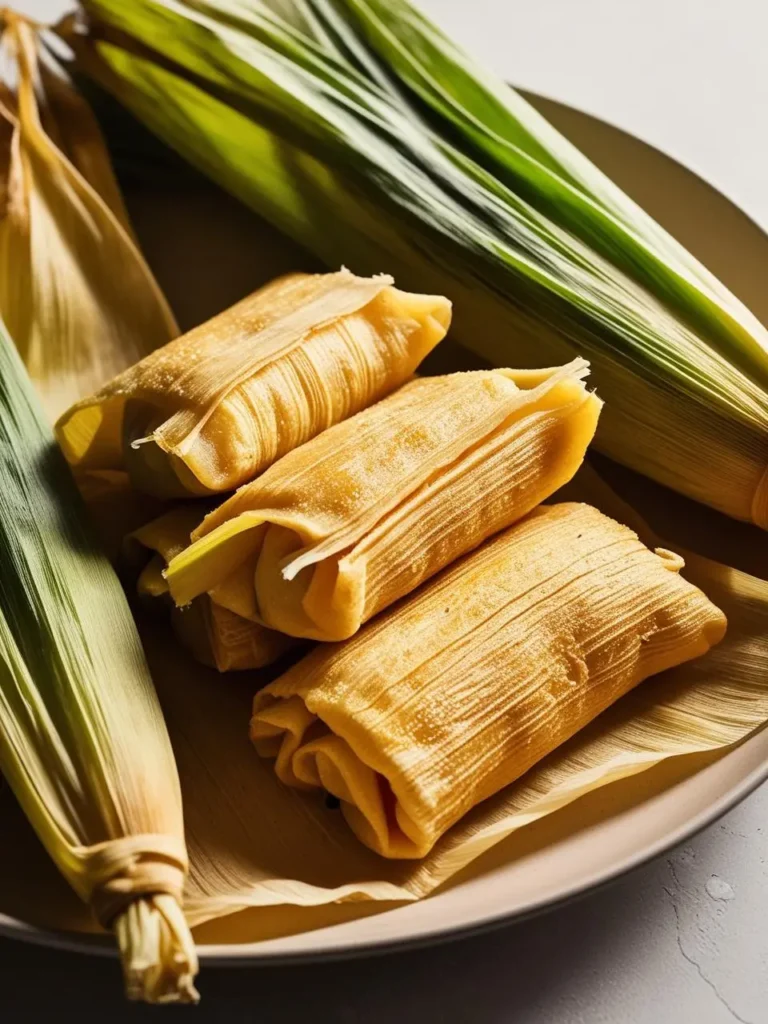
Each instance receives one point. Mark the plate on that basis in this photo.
(582, 846)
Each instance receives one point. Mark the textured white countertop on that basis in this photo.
(685, 938)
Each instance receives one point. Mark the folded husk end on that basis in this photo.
(134, 887)
(157, 952)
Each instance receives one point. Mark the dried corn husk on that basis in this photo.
(83, 742)
(77, 297)
(217, 406)
(215, 636)
(361, 515)
(309, 857)
(458, 691)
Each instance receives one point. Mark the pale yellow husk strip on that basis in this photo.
(75, 292)
(215, 635)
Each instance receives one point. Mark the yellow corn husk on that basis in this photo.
(225, 641)
(215, 636)
(360, 516)
(155, 543)
(83, 742)
(457, 692)
(76, 295)
(217, 406)
(674, 724)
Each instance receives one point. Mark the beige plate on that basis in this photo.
(570, 852)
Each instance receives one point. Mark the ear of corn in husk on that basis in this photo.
(510, 138)
(461, 689)
(217, 406)
(83, 742)
(365, 512)
(215, 635)
(77, 297)
(486, 203)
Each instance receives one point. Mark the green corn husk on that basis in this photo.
(83, 742)
(356, 127)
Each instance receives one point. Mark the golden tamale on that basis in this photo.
(362, 514)
(459, 690)
(212, 409)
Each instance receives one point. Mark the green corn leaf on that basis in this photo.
(540, 259)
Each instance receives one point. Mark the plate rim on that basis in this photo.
(243, 954)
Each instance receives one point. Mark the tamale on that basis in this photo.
(362, 514)
(458, 691)
(214, 635)
(212, 409)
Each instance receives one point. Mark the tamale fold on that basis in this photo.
(365, 512)
(456, 692)
(214, 408)
(214, 635)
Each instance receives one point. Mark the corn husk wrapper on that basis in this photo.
(83, 743)
(361, 515)
(309, 857)
(458, 691)
(220, 404)
(75, 292)
(216, 636)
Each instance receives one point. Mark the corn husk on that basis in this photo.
(482, 201)
(296, 870)
(75, 292)
(83, 742)
(461, 689)
(361, 515)
(215, 635)
(309, 856)
(217, 406)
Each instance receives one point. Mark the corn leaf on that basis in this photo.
(511, 139)
(540, 259)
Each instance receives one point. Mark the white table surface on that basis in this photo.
(686, 937)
